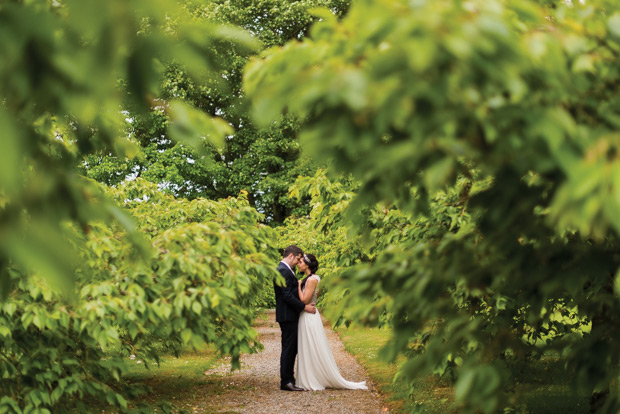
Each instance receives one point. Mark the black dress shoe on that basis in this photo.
(290, 387)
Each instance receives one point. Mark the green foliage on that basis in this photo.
(262, 162)
(67, 69)
(486, 131)
(81, 278)
(206, 265)
(539, 386)
(322, 232)
(272, 22)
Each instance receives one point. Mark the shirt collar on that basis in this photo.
(287, 266)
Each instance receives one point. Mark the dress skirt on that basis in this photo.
(316, 366)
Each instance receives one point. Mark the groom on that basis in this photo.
(288, 308)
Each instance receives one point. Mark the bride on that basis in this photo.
(316, 367)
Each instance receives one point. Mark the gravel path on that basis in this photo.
(255, 388)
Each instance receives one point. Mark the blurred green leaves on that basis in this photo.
(192, 126)
(483, 135)
(68, 72)
(11, 169)
(479, 385)
(45, 252)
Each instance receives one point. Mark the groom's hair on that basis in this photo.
(296, 251)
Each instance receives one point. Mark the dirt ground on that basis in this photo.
(255, 388)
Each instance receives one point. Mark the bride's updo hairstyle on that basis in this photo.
(313, 265)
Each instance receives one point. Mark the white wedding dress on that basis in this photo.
(316, 366)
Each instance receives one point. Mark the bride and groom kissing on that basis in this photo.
(303, 335)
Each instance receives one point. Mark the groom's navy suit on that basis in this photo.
(288, 308)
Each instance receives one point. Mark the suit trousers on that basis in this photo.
(289, 352)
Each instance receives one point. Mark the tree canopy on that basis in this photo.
(262, 162)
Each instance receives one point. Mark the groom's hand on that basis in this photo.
(310, 308)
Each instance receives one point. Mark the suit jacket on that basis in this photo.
(288, 305)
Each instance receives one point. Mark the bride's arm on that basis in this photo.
(306, 294)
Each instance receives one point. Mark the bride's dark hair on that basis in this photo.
(312, 263)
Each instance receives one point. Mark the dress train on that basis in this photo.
(316, 366)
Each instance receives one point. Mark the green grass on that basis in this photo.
(431, 394)
(541, 387)
(176, 381)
